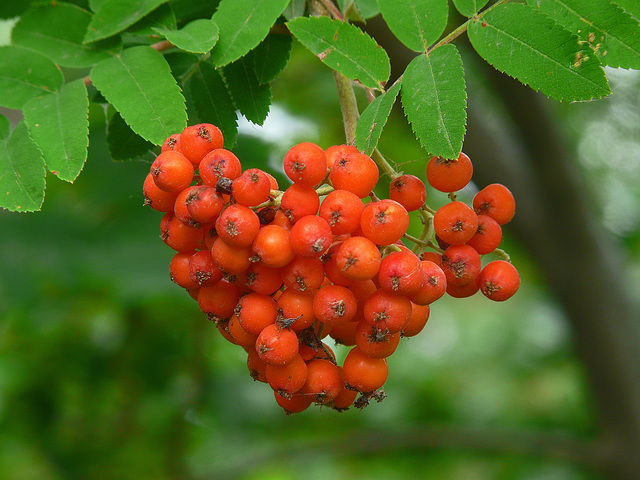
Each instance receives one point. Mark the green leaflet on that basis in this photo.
(57, 30)
(199, 36)
(212, 101)
(124, 143)
(139, 84)
(14, 9)
(58, 123)
(5, 127)
(22, 182)
(271, 57)
(612, 34)
(435, 100)
(373, 119)
(469, 8)
(161, 17)
(250, 97)
(295, 9)
(243, 25)
(114, 16)
(25, 74)
(527, 45)
(416, 23)
(631, 6)
(343, 47)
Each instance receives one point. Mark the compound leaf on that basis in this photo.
(58, 123)
(198, 36)
(416, 23)
(525, 44)
(25, 74)
(374, 118)
(612, 34)
(22, 182)
(56, 30)
(250, 97)
(343, 47)
(114, 16)
(434, 100)
(139, 84)
(243, 25)
(212, 101)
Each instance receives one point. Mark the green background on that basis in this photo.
(108, 370)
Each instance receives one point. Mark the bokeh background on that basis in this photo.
(108, 370)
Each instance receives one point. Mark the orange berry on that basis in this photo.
(449, 175)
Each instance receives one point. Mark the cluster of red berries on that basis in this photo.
(279, 271)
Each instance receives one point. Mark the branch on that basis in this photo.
(427, 437)
(348, 106)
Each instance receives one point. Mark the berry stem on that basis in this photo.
(416, 240)
(427, 230)
(384, 165)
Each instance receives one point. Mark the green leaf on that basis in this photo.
(368, 8)
(124, 143)
(271, 57)
(22, 182)
(416, 23)
(343, 47)
(13, 9)
(632, 7)
(114, 16)
(243, 25)
(434, 100)
(188, 10)
(250, 98)
(213, 102)
(181, 63)
(374, 118)
(198, 36)
(469, 8)
(139, 84)
(56, 30)
(59, 124)
(161, 17)
(25, 74)
(295, 9)
(612, 34)
(531, 47)
(5, 127)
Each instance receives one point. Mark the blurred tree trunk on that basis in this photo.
(523, 147)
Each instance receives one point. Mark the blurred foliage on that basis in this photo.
(110, 371)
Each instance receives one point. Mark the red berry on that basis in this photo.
(198, 140)
(355, 172)
(461, 265)
(310, 236)
(172, 171)
(455, 223)
(496, 201)
(305, 164)
(499, 280)
(408, 191)
(384, 222)
(449, 175)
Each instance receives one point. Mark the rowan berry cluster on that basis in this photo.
(279, 272)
